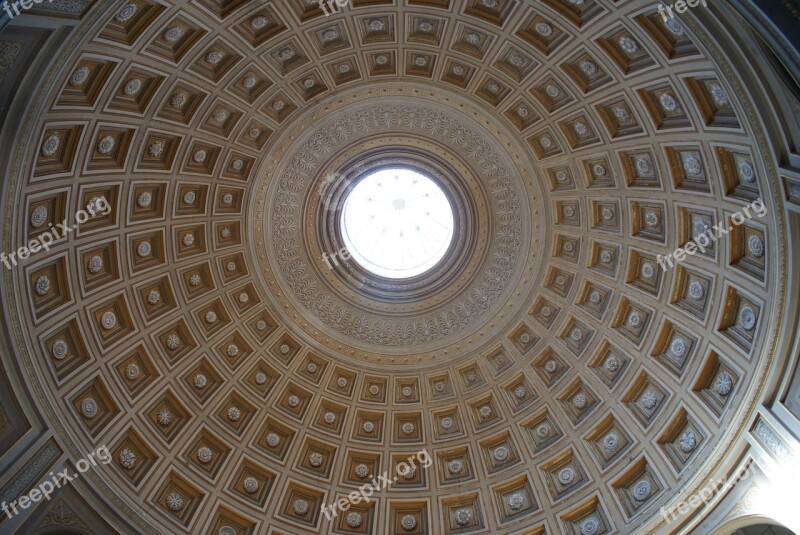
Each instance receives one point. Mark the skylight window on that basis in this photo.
(397, 223)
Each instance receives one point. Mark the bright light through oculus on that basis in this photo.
(397, 223)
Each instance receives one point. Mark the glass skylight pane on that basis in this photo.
(397, 223)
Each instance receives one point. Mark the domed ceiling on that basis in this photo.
(244, 371)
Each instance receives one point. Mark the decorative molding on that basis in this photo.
(9, 50)
(325, 133)
(72, 7)
(61, 516)
(38, 464)
(773, 443)
(747, 504)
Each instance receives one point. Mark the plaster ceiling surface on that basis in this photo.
(559, 378)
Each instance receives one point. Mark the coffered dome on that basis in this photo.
(322, 241)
